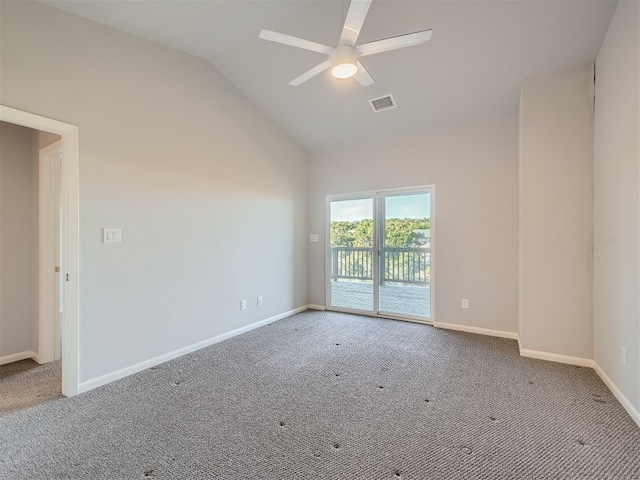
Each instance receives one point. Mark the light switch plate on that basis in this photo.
(314, 237)
(111, 235)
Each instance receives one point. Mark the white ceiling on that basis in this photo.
(471, 69)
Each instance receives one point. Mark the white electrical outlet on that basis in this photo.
(465, 303)
(243, 304)
(623, 355)
(259, 299)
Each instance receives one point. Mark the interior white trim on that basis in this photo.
(624, 401)
(138, 367)
(108, 378)
(478, 330)
(69, 206)
(16, 357)
(555, 357)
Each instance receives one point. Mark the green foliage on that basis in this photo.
(399, 232)
(352, 234)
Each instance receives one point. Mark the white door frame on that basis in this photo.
(69, 206)
(49, 261)
(377, 197)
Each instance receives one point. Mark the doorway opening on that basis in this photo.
(68, 238)
(380, 259)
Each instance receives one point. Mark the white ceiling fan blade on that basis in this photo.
(311, 73)
(363, 76)
(294, 41)
(353, 23)
(393, 43)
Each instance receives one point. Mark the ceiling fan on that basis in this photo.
(343, 59)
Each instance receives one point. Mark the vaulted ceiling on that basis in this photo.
(471, 69)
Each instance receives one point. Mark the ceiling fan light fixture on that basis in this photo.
(343, 61)
(344, 70)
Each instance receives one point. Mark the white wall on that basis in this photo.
(556, 209)
(616, 210)
(474, 168)
(210, 195)
(18, 242)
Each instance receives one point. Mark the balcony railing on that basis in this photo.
(399, 264)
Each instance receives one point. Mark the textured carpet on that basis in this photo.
(25, 384)
(333, 396)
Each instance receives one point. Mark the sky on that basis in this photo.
(402, 206)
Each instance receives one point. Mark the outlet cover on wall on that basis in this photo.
(465, 303)
(111, 235)
(623, 355)
(259, 300)
(243, 304)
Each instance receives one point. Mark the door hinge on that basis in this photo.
(57, 269)
(67, 277)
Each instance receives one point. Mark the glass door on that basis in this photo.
(380, 255)
(405, 254)
(351, 257)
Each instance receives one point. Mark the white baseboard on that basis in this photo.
(479, 331)
(624, 401)
(138, 367)
(16, 357)
(553, 357)
(556, 357)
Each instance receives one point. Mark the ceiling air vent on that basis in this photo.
(382, 103)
